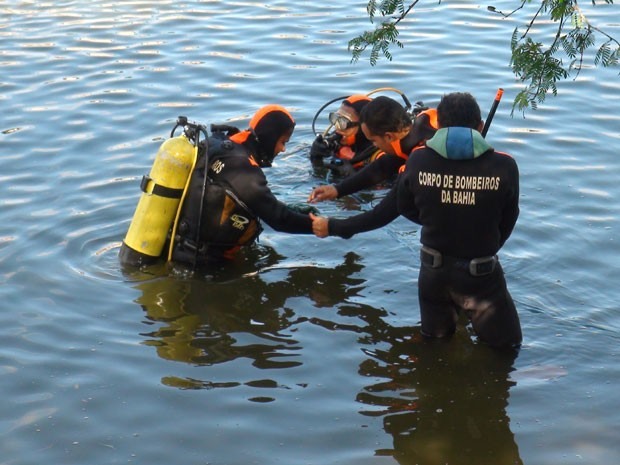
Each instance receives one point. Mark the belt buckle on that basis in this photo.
(435, 255)
(482, 266)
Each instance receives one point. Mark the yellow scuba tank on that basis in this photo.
(161, 195)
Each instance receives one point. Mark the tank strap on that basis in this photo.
(158, 189)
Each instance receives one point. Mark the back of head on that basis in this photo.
(384, 114)
(458, 109)
(269, 124)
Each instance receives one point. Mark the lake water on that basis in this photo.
(306, 351)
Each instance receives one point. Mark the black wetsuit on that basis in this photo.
(226, 223)
(382, 169)
(465, 195)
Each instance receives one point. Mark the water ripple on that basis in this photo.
(95, 358)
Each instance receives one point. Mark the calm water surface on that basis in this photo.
(305, 351)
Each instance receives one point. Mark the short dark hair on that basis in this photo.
(458, 109)
(384, 114)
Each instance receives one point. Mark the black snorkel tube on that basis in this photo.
(487, 123)
(321, 109)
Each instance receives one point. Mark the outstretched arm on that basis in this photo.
(382, 214)
(382, 169)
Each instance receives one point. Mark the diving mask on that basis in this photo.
(342, 122)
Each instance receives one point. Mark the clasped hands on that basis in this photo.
(320, 225)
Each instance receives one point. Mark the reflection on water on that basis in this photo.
(217, 319)
(442, 401)
(97, 364)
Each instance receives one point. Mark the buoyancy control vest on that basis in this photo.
(213, 222)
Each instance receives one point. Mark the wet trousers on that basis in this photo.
(446, 291)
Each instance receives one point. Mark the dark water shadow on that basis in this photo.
(238, 311)
(442, 401)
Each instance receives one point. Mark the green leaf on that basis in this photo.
(538, 65)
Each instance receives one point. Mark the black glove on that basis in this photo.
(302, 208)
(320, 149)
(341, 168)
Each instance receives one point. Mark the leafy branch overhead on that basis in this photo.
(540, 66)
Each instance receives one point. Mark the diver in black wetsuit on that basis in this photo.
(224, 206)
(346, 150)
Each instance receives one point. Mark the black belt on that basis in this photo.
(159, 189)
(476, 266)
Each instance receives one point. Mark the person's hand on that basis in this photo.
(320, 149)
(320, 226)
(321, 193)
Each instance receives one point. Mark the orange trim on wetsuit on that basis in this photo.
(348, 140)
(264, 111)
(420, 146)
(375, 155)
(345, 152)
(357, 98)
(431, 113)
(432, 116)
(240, 138)
(398, 150)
